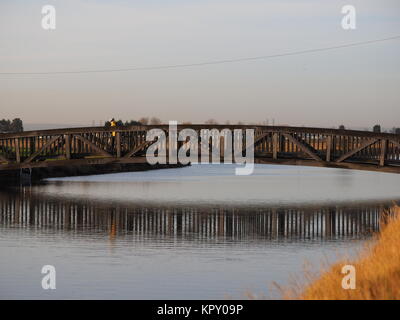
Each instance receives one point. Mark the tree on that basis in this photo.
(4, 125)
(342, 127)
(132, 123)
(155, 121)
(16, 125)
(144, 121)
(211, 121)
(118, 122)
(377, 128)
(395, 130)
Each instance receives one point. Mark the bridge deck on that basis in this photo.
(280, 145)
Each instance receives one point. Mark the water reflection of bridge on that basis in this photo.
(28, 211)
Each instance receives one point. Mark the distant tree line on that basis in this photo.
(156, 121)
(396, 130)
(14, 125)
(378, 129)
(141, 121)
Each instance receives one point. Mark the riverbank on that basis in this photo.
(11, 177)
(377, 270)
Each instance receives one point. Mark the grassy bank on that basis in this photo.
(377, 270)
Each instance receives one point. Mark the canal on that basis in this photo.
(198, 232)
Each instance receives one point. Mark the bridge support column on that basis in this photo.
(32, 148)
(275, 146)
(384, 144)
(67, 146)
(17, 151)
(118, 143)
(328, 148)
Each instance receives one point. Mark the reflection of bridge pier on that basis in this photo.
(220, 223)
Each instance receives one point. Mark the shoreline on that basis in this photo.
(376, 270)
(35, 175)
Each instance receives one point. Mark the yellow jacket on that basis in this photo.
(113, 124)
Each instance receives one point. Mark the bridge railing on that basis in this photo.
(330, 147)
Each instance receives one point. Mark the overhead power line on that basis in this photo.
(212, 62)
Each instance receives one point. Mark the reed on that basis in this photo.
(377, 269)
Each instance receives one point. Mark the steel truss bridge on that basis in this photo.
(303, 146)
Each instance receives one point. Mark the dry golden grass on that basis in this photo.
(377, 271)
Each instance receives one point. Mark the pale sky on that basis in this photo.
(357, 87)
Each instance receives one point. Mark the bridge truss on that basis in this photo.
(273, 144)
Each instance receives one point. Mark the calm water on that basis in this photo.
(192, 233)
